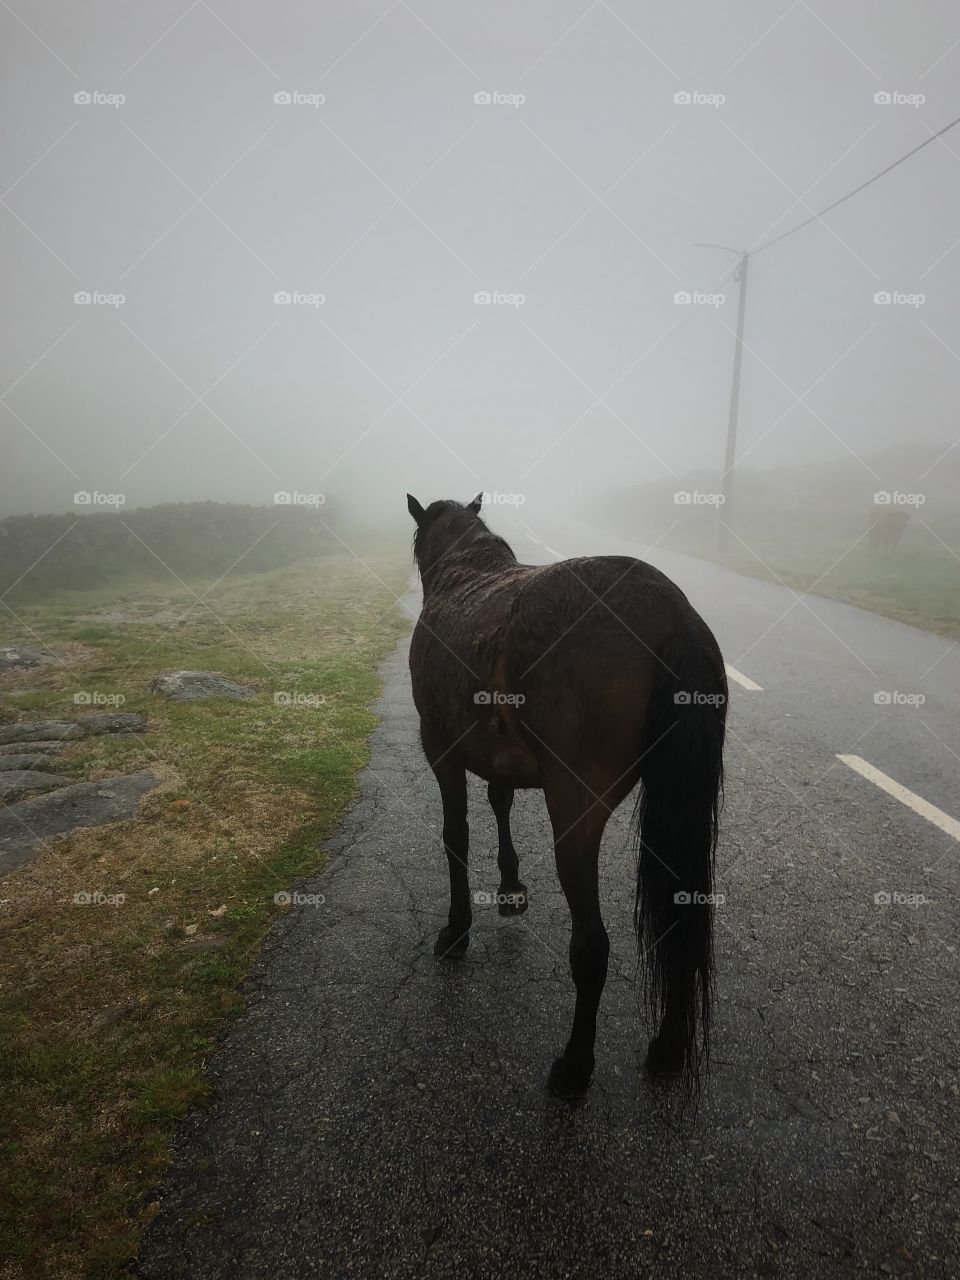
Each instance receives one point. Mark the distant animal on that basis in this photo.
(582, 678)
(885, 526)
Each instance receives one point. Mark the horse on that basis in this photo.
(885, 527)
(582, 678)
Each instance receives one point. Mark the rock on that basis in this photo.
(112, 722)
(37, 761)
(41, 730)
(125, 722)
(15, 655)
(186, 686)
(25, 826)
(16, 782)
(13, 748)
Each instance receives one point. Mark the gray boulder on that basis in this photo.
(17, 782)
(39, 730)
(187, 686)
(25, 826)
(14, 748)
(16, 655)
(43, 731)
(39, 760)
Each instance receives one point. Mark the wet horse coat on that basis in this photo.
(582, 678)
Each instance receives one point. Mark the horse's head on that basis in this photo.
(446, 506)
(445, 526)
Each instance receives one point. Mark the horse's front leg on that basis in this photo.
(455, 936)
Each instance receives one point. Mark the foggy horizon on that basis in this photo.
(399, 198)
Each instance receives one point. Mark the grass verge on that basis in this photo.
(917, 584)
(108, 1012)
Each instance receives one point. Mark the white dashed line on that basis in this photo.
(917, 803)
(743, 680)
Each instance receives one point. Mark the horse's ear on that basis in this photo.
(415, 509)
(476, 504)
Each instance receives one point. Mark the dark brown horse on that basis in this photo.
(885, 527)
(582, 678)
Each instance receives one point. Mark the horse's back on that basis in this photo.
(607, 605)
(518, 668)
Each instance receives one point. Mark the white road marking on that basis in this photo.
(917, 803)
(743, 680)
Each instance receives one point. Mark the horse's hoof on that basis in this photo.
(451, 943)
(512, 900)
(567, 1080)
(663, 1061)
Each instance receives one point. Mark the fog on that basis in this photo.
(577, 197)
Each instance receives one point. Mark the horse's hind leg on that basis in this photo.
(512, 894)
(454, 938)
(577, 830)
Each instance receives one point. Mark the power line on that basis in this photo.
(735, 268)
(815, 217)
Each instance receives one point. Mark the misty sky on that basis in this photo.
(399, 198)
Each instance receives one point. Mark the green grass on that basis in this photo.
(108, 1013)
(806, 527)
(918, 584)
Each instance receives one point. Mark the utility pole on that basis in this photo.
(740, 274)
(730, 455)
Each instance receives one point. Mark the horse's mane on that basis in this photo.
(468, 540)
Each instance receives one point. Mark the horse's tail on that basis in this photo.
(676, 821)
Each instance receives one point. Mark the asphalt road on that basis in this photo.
(379, 1113)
